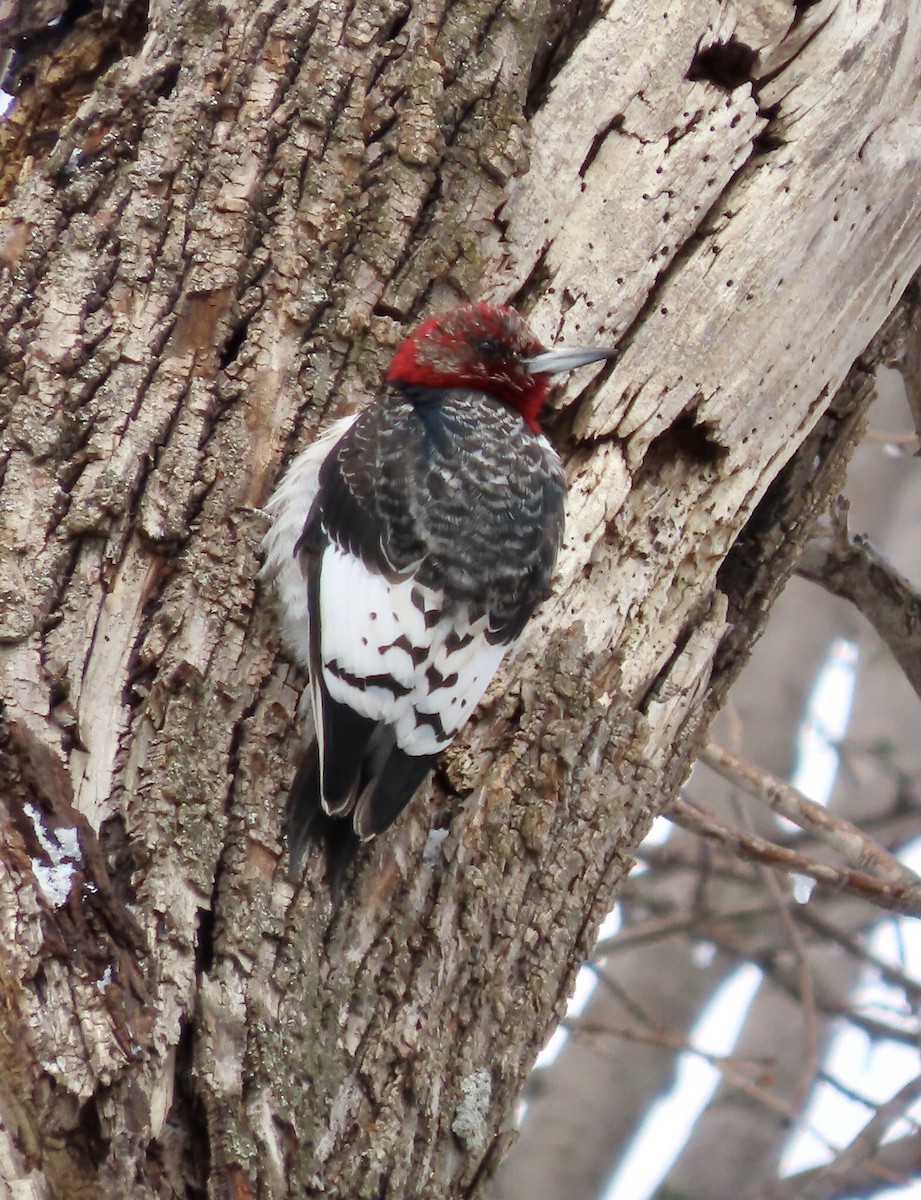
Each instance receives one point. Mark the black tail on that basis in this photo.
(305, 821)
(385, 781)
(390, 789)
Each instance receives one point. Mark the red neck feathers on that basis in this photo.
(481, 346)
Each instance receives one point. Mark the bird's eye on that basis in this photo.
(489, 347)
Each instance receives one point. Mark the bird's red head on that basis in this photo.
(489, 347)
(483, 346)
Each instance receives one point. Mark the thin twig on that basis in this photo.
(677, 922)
(895, 1163)
(669, 1040)
(633, 1007)
(830, 933)
(860, 851)
(788, 981)
(896, 897)
(827, 1182)
(891, 439)
(734, 1070)
(807, 989)
(855, 1096)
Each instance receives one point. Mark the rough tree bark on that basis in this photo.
(219, 221)
(585, 1109)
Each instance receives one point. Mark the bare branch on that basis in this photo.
(677, 922)
(829, 1181)
(852, 569)
(896, 1163)
(788, 981)
(896, 897)
(811, 1056)
(862, 852)
(903, 442)
(738, 1072)
(854, 947)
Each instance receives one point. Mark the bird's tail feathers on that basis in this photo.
(306, 822)
(346, 736)
(389, 790)
(386, 780)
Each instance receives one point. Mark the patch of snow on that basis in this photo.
(63, 849)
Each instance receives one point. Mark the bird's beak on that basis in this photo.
(566, 358)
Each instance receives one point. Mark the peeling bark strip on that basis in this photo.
(216, 232)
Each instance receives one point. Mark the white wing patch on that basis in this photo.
(360, 635)
(388, 653)
(387, 650)
(289, 508)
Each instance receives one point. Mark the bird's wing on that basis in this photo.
(288, 510)
(388, 651)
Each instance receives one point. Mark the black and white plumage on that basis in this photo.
(409, 546)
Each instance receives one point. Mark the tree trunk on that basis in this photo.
(220, 222)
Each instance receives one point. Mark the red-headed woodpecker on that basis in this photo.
(408, 548)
